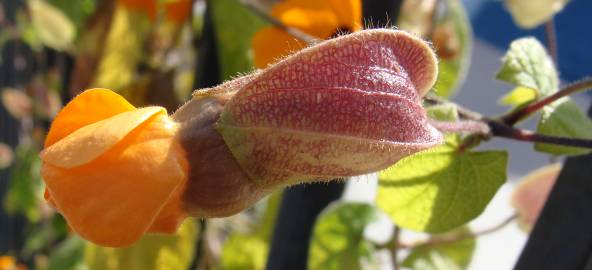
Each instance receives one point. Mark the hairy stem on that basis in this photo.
(500, 128)
(513, 117)
(468, 126)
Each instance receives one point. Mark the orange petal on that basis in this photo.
(171, 216)
(91, 141)
(270, 44)
(178, 11)
(348, 12)
(321, 23)
(146, 6)
(89, 107)
(114, 199)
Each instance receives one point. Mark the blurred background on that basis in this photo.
(159, 51)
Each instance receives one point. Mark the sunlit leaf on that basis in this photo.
(54, 29)
(519, 96)
(6, 156)
(69, 254)
(152, 252)
(449, 256)
(440, 189)
(123, 49)
(17, 103)
(338, 241)
(453, 39)
(530, 195)
(527, 64)
(235, 26)
(532, 13)
(244, 252)
(565, 119)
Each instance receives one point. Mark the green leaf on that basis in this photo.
(152, 252)
(565, 119)
(68, 255)
(520, 96)
(77, 11)
(338, 241)
(119, 60)
(527, 64)
(25, 187)
(244, 252)
(456, 30)
(54, 29)
(235, 26)
(443, 112)
(456, 255)
(440, 189)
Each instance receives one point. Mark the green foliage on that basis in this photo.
(120, 59)
(450, 256)
(44, 234)
(152, 252)
(234, 26)
(53, 28)
(564, 118)
(249, 250)
(244, 252)
(527, 64)
(68, 255)
(442, 188)
(338, 238)
(76, 11)
(520, 96)
(25, 188)
(452, 71)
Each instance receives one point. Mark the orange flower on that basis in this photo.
(115, 172)
(319, 18)
(9, 263)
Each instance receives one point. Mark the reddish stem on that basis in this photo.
(503, 130)
(517, 115)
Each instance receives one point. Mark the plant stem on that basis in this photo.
(551, 36)
(277, 23)
(395, 247)
(505, 131)
(500, 128)
(455, 237)
(513, 117)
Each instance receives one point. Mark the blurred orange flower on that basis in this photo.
(9, 263)
(114, 171)
(176, 11)
(319, 18)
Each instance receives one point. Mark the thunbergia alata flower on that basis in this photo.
(344, 107)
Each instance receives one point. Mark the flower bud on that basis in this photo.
(345, 107)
